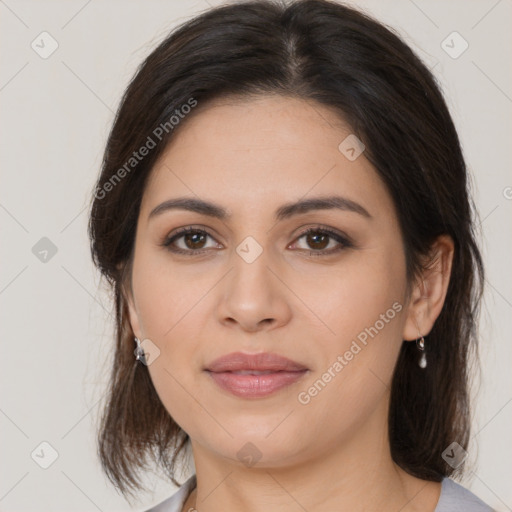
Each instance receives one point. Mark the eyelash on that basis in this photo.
(344, 241)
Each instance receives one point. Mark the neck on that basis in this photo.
(357, 475)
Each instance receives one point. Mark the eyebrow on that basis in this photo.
(283, 212)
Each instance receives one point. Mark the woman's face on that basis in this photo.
(256, 284)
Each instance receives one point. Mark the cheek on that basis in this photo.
(346, 300)
(361, 312)
(166, 296)
(169, 305)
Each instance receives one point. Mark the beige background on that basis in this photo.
(55, 332)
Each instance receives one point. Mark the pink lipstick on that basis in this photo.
(254, 375)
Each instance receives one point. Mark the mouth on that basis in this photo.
(254, 375)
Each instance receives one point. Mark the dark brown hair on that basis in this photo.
(333, 54)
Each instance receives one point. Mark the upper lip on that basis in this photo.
(258, 362)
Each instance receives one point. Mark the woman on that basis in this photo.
(284, 217)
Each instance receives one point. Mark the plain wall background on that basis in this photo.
(56, 330)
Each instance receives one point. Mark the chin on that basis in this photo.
(259, 450)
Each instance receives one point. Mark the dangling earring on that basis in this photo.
(139, 352)
(420, 343)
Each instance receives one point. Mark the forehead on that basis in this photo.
(258, 151)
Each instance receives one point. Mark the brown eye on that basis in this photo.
(317, 241)
(192, 240)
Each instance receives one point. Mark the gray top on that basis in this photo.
(454, 498)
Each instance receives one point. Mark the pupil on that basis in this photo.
(196, 239)
(315, 241)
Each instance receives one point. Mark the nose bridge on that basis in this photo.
(251, 273)
(252, 292)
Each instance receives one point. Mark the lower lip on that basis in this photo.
(255, 386)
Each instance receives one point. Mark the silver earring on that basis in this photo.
(139, 352)
(420, 343)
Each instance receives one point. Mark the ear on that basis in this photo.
(429, 292)
(133, 316)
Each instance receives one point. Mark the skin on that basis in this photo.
(251, 157)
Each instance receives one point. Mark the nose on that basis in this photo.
(254, 296)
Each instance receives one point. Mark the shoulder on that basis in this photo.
(176, 501)
(454, 498)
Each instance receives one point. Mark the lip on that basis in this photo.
(254, 375)
(239, 361)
